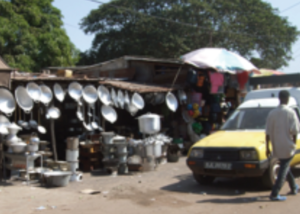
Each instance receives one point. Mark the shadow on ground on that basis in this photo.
(223, 187)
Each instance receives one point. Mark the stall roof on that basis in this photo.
(119, 60)
(137, 87)
(280, 79)
(3, 65)
(130, 86)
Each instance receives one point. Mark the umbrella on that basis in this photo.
(218, 58)
(268, 72)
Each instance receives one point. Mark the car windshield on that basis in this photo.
(250, 118)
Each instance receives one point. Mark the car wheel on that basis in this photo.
(270, 175)
(203, 179)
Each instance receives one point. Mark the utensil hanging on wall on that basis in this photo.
(138, 101)
(46, 95)
(7, 102)
(32, 123)
(104, 95)
(171, 101)
(34, 91)
(41, 129)
(23, 99)
(114, 98)
(59, 92)
(75, 91)
(109, 113)
(89, 94)
(121, 99)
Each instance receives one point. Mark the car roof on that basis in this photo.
(265, 103)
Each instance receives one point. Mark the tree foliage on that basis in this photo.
(32, 37)
(128, 27)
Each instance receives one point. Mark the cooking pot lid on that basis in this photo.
(149, 115)
(138, 101)
(90, 94)
(171, 101)
(75, 90)
(114, 97)
(104, 95)
(59, 93)
(109, 113)
(121, 99)
(34, 91)
(23, 99)
(46, 95)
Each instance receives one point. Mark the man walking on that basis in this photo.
(282, 129)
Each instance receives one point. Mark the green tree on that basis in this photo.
(32, 37)
(128, 27)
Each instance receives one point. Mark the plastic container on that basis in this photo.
(72, 155)
(73, 166)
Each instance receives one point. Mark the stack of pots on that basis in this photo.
(72, 156)
(110, 161)
(122, 153)
(33, 145)
(14, 143)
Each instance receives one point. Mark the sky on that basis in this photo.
(74, 10)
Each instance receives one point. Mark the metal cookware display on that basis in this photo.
(41, 129)
(138, 101)
(34, 91)
(109, 113)
(4, 122)
(59, 93)
(121, 99)
(126, 99)
(34, 139)
(13, 129)
(90, 94)
(46, 95)
(114, 98)
(182, 97)
(149, 123)
(7, 102)
(172, 102)
(53, 112)
(104, 95)
(23, 99)
(75, 91)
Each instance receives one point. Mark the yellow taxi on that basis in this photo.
(239, 148)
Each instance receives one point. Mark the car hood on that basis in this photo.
(233, 139)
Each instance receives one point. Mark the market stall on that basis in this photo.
(82, 123)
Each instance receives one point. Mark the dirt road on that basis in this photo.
(169, 189)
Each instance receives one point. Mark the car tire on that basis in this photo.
(203, 179)
(270, 175)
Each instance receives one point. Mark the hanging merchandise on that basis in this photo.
(172, 102)
(46, 95)
(195, 106)
(189, 107)
(75, 91)
(192, 77)
(23, 99)
(216, 80)
(59, 93)
(242, 78)
(34, 91)
(104, 95)
(196, 113)
(138, 101)
(197, 127)
(191, 113)
(196, 97)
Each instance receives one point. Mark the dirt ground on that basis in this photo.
(169, 189)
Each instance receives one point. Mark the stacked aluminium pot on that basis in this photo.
(72, 155)
(115, 153)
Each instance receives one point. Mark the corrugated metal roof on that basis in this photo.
(138, 87)
(3, 65)
(124, 58)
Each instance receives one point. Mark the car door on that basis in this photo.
(296, 159)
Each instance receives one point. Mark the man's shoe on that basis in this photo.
(295, 191)
(277, 198)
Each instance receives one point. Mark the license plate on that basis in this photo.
(217, 165)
